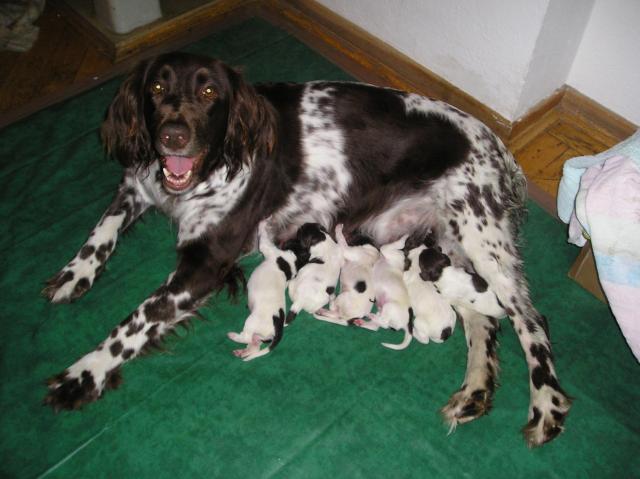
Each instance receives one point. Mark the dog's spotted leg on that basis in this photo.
(489, 244)
(475, 397)
(174, 302)
(77, 277)
(549, 404)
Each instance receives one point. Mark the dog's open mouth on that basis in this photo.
(180, 171)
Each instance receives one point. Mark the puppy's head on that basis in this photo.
(301, 254)
(432, 263)
(310, 234)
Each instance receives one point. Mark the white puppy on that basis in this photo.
(356, 296)
(315, 284)
(457, 285)
(392, 297)
(434, 316)
(266, 286)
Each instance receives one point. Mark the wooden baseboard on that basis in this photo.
(179, 19)
(597, 115)
(537, 112)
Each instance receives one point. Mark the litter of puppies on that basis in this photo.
(407, 285)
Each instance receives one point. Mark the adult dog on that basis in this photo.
(219, 155)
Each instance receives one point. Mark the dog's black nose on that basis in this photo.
(174, 135)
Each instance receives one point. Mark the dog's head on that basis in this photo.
(190, 113)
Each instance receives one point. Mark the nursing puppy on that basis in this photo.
(266, 291)
(356, 296)
(315, 284)
(457, 285)
(435, 318)
(392, 297)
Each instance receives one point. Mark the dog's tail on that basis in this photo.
(408, 335)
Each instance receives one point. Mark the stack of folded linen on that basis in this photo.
(599, 196)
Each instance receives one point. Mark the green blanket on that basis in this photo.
(329, 402)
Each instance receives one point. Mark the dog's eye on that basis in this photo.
(157, 89)
(208, 93)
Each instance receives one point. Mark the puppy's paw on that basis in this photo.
(546, 419)
(466, 405)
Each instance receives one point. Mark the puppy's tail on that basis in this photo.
(405, 342)
(408, 335)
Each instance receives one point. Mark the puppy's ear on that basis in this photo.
(251, 127)
(124, 131)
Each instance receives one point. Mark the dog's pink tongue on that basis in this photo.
(178, 165)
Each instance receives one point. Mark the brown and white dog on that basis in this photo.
(218, 155)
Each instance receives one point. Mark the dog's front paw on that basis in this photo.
(73, 281)
(546, 420)
(466, 405)
(68, 391)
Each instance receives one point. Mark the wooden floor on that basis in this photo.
(546, 145)
(62, 58)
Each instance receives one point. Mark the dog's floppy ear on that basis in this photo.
(251, 127)
(124, 131)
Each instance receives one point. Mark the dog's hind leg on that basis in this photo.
(484, 232)
(475, 397)
(77, 277)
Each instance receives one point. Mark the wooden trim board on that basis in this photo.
(176, 23)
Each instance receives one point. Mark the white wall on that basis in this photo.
(556, 47)
(511, 54)
(481, 46)
(607, 66)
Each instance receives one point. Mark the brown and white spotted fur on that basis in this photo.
(218, 155)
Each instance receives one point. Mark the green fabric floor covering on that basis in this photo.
(329, 402)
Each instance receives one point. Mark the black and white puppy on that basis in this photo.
(458, 286)
(356, 296)
(315, 284)
(267, 302)
(392, 298)
(435, 318)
